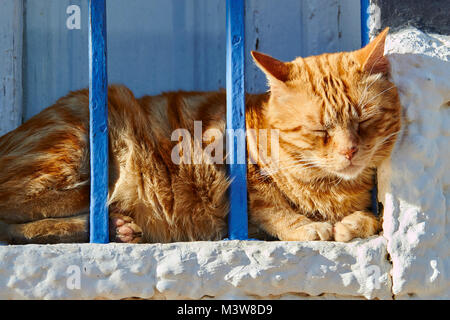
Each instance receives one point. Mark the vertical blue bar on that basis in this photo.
(364, 41)
(98, 122)
(365, 22)
(237, 220)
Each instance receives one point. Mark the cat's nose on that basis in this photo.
(350, 152)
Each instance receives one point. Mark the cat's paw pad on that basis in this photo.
(123, 229)
(343, 232)
(315, 231)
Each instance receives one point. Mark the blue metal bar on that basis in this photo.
(365, 22)
(98, 122)
(237, 219)
(364, 41)
(374, 196)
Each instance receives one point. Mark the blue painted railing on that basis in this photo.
(237, 168)
(98, 122)
(365, 39)
(365, 22)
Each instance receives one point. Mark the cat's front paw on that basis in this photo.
(359, 224)
(343, 232)
(313, 231)
(123, 229)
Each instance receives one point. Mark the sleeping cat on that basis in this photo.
(337, 117)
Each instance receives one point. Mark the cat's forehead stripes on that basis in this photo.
(329, 77)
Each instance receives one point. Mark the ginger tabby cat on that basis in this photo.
(337, 116)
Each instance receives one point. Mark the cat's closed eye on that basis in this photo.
(364, 121)
(364, 124)
(320, 132)
(323, 134)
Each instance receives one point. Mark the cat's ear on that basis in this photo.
(371, 57)
(273, 68)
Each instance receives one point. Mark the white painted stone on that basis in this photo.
(412, 40)
(225, 270)
(414, 183)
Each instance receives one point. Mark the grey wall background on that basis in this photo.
(162, 45)
(429, 16)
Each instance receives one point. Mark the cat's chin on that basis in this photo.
(351, 172)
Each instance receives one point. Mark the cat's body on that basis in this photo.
(318, 190)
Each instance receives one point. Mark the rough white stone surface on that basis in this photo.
(414, 184)
(226, 269)
(412, 40)
(413, 187)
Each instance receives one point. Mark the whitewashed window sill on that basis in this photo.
(196, 270)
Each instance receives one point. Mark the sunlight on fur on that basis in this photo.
(337, 116)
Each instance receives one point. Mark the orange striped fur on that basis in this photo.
(337, 116)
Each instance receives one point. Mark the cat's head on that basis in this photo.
(337, 113)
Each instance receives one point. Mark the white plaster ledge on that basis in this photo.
(196, 270)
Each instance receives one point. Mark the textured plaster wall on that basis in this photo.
(415, 183)
(409, 260)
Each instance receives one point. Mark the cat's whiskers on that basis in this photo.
(293, 164)
(372, 112)
(325, 181)
(338, 182)
(374, 97)
(367, 87)
(386, 139)
(299, 165)
(286, 162)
